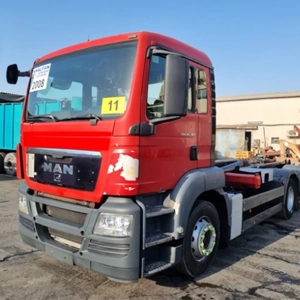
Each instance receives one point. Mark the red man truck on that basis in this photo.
(122, 179)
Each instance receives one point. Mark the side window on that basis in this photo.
(201, 91)
(155, 97)
(275, 140)
(156, 93)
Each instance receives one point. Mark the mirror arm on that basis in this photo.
(24, 74)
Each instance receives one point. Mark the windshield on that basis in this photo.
(90, 82)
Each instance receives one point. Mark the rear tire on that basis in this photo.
(290, 201)
(10, 164)
(2, 155)
(201, 240)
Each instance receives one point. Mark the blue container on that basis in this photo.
(10, 119)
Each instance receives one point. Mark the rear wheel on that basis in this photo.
(2, 155)
(289, 201)
(201, 240)
(10, 164)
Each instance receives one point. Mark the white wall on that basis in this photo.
(278, 115)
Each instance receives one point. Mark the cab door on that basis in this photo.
(171, 151)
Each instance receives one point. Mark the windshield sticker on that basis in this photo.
(40, 77)
(113, 105)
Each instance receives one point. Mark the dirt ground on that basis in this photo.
(264, 263)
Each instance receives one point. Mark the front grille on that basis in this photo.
(64, 238)
(108, 249)
(64, 216)
(26, 223)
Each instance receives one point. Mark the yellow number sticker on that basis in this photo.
(113, 105)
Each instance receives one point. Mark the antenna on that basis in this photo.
(88, 37)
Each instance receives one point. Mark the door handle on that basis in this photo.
(194, 153)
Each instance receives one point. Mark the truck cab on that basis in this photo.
(120, 175)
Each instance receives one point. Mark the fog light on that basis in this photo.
(114, 225)
(23, 204)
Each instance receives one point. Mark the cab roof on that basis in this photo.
(150, 38)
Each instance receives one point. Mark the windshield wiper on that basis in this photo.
(92, 117)
(39, 117)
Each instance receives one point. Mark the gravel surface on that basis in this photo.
(264, 263)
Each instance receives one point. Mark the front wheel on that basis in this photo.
(201, 240)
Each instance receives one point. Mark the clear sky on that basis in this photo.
(254, 45)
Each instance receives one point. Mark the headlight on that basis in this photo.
(114, 225)
(23, 204)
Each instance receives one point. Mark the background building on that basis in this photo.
(264, 118)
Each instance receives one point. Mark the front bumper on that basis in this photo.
(118, 258)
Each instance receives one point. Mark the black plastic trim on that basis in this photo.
(194, 153)
(146, 129)
(142, 129)
(213, 117)
(20, 157)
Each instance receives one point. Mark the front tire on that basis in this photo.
(201, 240)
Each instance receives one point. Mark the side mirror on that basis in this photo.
(176, 86)
(12, 74)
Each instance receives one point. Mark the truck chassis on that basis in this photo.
(166, 233)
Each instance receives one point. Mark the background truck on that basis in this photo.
(11, 106)
(125, 182)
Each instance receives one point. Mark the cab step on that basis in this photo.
(156, 267)
(157, 238)
(154, 211)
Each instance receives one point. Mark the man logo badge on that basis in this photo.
(57, 177)
(57, 168)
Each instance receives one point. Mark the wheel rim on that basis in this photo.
(290, 199)
(9, 165)
(203, 239)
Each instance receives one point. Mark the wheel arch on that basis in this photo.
(220, 201)
(194, 186)
(296, 179)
